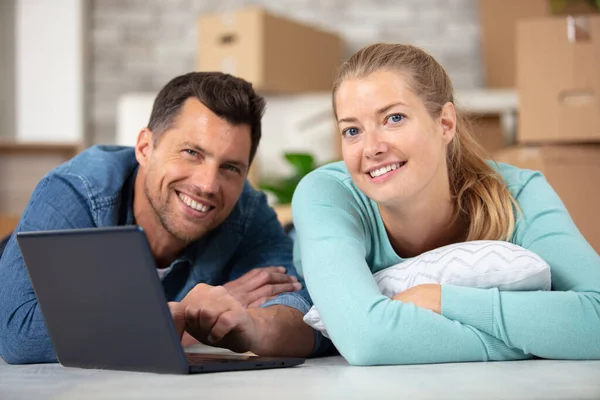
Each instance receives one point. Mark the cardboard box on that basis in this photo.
(497, 27)
(488, 131)
(276, 54)
(558, 79)
(8, 223)
(574, 173)
(23, 165)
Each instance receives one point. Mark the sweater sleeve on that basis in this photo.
(563, 323)
(367, 327)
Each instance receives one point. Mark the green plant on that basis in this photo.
(283, 189)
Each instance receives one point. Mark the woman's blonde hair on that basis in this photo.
(480, 193)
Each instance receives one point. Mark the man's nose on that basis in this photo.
(207, 178)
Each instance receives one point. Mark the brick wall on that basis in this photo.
(138, 45)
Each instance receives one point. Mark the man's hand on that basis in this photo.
(260, 285)
(178, 314)
(427, 296)
(214, 317)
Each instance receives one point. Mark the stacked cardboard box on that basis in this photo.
(574, 173)
(558, 83)
(278, 55)
(498, 20)
(558, 79)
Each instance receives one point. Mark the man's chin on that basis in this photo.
(188, 237)
(188, 230)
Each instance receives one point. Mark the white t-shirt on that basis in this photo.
(162, 272)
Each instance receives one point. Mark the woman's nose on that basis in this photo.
(375, 145)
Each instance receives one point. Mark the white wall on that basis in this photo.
(7, 68)
(297, 124)
(50, 70)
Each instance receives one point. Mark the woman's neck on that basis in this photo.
(423, 224)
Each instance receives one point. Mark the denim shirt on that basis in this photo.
(95, 189)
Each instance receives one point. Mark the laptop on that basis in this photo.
(105, 308)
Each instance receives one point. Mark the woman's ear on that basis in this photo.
(448, 122)
(144, 146)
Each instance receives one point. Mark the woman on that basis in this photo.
(413, 179)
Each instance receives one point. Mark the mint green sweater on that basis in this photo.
(341, 241)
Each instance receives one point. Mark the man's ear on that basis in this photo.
(144, 146)
(448, 122)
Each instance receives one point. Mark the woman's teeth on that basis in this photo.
(384, 170)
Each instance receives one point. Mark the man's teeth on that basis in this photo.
(383, 170)
(193, 204)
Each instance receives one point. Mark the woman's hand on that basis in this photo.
(427, 296)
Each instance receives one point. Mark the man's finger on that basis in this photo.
(226, 322)
(248, 276)
(201, 320)
(268, 278)
(272, 290)
(178, 315)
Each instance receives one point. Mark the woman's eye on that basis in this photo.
(395, 118)
(349, 132)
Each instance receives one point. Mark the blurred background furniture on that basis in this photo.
(22, 166)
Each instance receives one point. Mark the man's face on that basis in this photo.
(195, 173)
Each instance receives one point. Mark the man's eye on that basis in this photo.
(232, 168)
(191, 152)
(395, 118)
(349, 132)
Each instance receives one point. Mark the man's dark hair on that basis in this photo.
(231, 98)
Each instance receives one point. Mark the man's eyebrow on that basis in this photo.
(237, 163)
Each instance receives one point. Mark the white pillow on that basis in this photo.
(480, 264)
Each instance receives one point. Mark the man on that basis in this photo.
(219, 248)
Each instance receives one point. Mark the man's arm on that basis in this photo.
(55, 204)
(282, 332)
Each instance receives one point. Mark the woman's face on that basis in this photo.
(392, 147)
